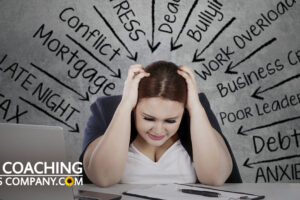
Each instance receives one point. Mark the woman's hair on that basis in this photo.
(164, 81)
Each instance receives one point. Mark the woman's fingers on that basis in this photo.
(130, 91)
(141, 75)
(135, 66)
(187, 70)
(134, 70)
(186, 76)
(136, 73)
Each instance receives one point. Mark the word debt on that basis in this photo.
(276, 142)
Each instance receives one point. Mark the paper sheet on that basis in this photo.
(172, 192)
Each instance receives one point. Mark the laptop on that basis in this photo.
(20, 143)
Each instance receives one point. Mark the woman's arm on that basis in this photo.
(212, 160)
(105, 158)
(211, 157)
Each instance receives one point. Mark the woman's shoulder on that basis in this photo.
(105, 105)
(103, 100)
(106, 102)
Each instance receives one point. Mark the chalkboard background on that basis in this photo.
(57, 57)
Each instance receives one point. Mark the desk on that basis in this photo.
(272, 191)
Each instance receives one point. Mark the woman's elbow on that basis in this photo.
(223, 173)
(216, 178)
(227, 171)
(221, 177)
(216, 182)
(213, 181)
(102, 182)
(101, 178)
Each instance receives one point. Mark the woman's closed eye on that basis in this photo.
(170, 121)
(149, 119)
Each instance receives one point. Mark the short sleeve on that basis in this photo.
(102, 111)
(96, 124)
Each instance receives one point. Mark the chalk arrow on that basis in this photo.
(258, 91)
(84, 97)
(73, 129)
(175, 46)
(115, 74)
(132, 56)
(246, 164)
(152, 44)
(250, 165)
(243, 132)
(197, 55)
(230, 67)
(256, 94)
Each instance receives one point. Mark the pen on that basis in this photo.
(201, 192)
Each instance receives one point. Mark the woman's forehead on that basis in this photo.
(160, 107)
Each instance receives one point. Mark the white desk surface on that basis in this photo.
(272, 191)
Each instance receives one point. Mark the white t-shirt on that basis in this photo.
(174, 166)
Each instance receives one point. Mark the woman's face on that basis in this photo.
(158, 119)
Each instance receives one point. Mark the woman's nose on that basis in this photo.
(158, 128)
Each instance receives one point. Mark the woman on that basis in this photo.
(166, 127)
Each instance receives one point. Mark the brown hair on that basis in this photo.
(164, 81)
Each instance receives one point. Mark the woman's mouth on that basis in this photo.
(155, 137)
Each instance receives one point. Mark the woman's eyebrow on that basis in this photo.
(147, 115)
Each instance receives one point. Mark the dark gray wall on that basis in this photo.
(245, 55)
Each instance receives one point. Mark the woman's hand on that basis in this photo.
(192, 97)
(130, 91)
